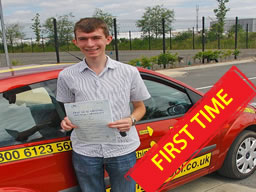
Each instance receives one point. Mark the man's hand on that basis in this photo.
(66, 124)
(122, 125)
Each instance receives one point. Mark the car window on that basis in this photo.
(165, 101)
(30, 113)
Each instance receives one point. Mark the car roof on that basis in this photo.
(6, 73)
(28, 74)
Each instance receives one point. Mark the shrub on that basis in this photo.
(226, 54)
(198, 56)
(167, 58)
(146, 62)
(236, 52)
(154, 59)
(134, 62)
(162, 59)
(212, 56)
(208, 55)
(16, 62)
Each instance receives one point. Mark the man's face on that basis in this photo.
(92, 44)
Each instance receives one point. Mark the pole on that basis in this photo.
(170, 39)
(68, 43)
(218, 36)
(32, 48)
(149, 42)
(56, 40)
(4, 37)
(236, 36)
(130, 37)
(247, 35)
(197, 10)
(22, 50)
(203, 36)
(43, 44)
(116, 43)
(193, 37)
(163, 25)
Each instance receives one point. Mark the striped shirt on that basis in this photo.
(120, 84)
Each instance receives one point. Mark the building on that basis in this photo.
(243, 22)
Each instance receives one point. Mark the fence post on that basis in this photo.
(236, 30)
(163, 26)
(149, 41)
(3, 47)
(56, 40)
(116, 43)
(68, 44)
(203, 37)
(218, 36)
(130, 37)
(21, 45)
(43, 44)
(247, 35)
(170, 39)
(193, 38)
(32, 48)
(12, 47)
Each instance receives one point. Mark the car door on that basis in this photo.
(34, 153)
(168, 103)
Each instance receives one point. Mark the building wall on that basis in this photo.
(243, 22)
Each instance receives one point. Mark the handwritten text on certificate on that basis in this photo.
(91, 118)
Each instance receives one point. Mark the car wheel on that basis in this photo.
(240, 161)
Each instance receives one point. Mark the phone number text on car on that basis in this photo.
(34, 151)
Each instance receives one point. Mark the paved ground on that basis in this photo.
(211, 184)
(180, 71)
(124, 56)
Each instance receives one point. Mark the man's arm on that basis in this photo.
(125, 124)
(139, 110)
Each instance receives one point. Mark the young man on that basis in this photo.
(98, 77)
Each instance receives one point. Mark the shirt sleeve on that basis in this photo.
(139, 91)
(64, 93)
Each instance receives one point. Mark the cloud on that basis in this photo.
(23, 12)
(184, 9)
(7, 3)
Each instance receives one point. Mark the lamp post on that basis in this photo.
(4, 36)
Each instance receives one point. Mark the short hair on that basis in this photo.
(90, 24)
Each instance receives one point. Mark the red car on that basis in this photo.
(35, 155)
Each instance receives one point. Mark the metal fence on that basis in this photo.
(130, 42)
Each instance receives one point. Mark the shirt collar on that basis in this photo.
(110, 64)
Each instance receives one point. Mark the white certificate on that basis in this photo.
(91, 119)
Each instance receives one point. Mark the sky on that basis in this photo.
(22, 11)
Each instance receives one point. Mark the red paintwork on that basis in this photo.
(54, 172)
(16, 189)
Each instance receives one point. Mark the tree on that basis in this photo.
(183, 36)
(220, 13)
(65, 27)
(152, 20)
(36, 26)
(232, 30)
(13, 32)
(107, 17)
(212, 34)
